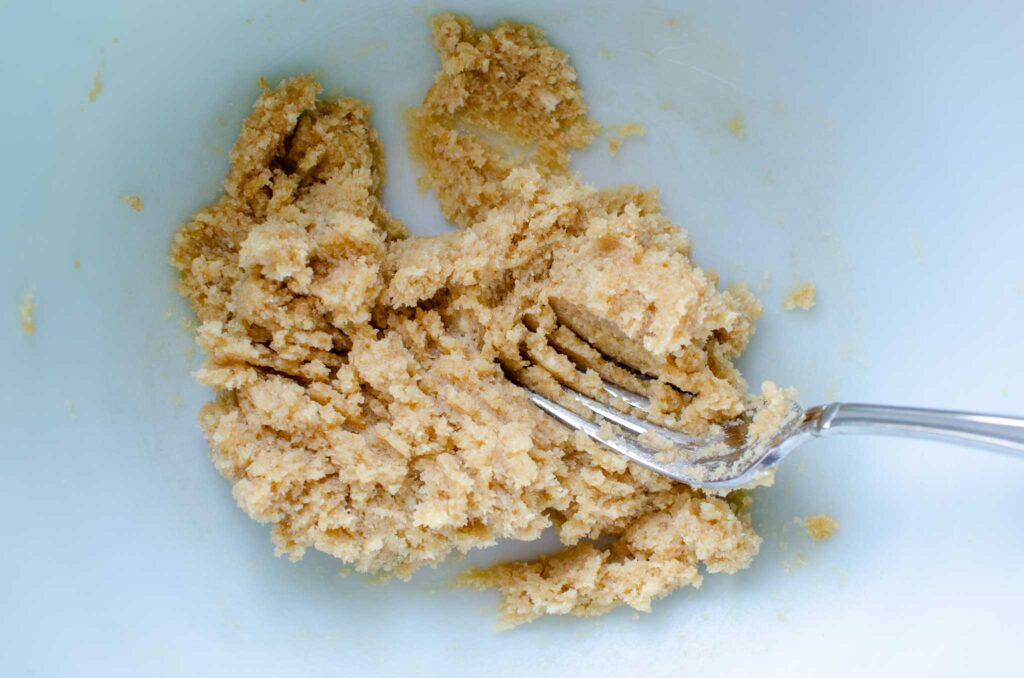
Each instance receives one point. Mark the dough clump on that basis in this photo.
(363, 400)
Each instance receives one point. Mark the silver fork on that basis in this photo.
(701, 465)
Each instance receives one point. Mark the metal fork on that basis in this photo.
(990, 431)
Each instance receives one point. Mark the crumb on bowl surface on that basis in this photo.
(27, 313)
(821, 526)
(618, 133)
(363, 406)
(135, 202)
(737, 126)
(800, 297)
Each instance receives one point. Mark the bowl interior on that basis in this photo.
(879, 158)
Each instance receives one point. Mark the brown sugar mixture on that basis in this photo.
(364, 404)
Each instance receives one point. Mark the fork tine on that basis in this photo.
(711, 471)
(623, 445)
(693, 473)
(634, 399)
(634, 424)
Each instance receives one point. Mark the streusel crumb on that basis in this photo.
(821, 526)
(802, 296)
(27, 313)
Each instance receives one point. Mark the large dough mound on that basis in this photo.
(363, 407)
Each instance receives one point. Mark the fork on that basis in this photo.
(699, 469)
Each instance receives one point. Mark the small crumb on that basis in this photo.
(629, 129)
(736, 126)
(918, 248)
(617, 133)
(27, 310)
(345, 571)
(660, 443)
(77, 264)
(779, 616)
(261, 82)
(135, 202)
(97, 82)
(116, 40)
(664, 105)
(800, 560)
(248, 21)
(801, 296)
(605, 53)
(821, 526)
(672, 22)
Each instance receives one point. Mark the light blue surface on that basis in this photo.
(882, 160)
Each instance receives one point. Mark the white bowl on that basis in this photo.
(881, 160)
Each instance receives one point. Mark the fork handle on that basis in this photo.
(990, 431)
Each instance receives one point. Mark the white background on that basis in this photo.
(882, 160)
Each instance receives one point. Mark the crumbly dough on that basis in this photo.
(364, 406)
(821, 526)
(802, 297)
(27, 313)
